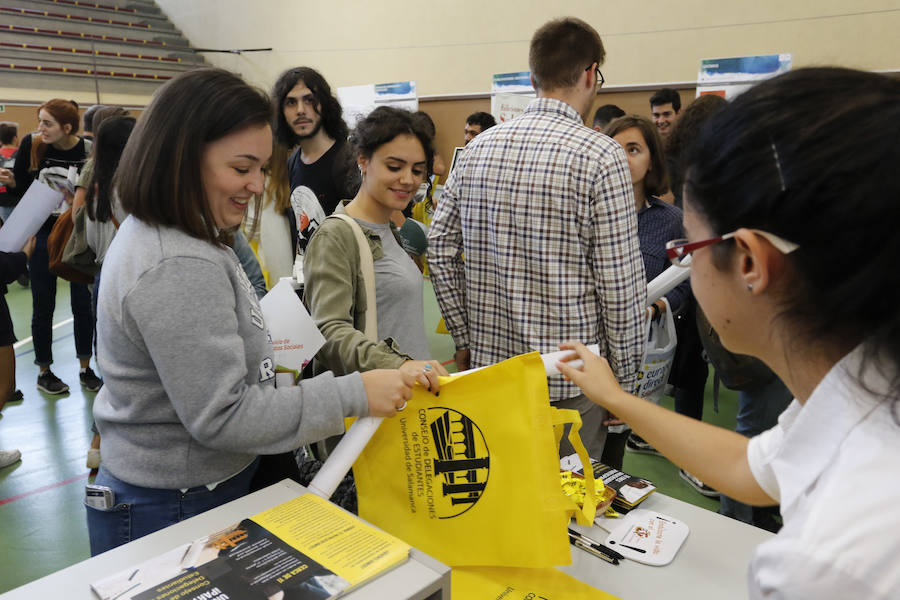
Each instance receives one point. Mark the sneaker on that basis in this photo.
(8, 457)
(90, 381)
(93, 458)
(698, 485)
(51, 384)
(636, 443)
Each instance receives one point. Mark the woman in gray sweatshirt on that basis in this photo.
(189, 401)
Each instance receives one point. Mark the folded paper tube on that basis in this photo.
(668, 280)
(356, 438)
(359, 434)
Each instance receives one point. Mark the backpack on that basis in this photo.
(736, 371)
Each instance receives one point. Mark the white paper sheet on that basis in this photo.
(295, 337)
(36, 205)
(356, 101)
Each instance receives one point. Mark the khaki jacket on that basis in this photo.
(335, 295)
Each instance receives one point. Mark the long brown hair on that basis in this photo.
(656, 181)
(66, 113)
(278, 188)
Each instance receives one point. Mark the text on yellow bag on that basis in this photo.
(472, 476)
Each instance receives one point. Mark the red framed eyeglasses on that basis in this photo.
(678, 250)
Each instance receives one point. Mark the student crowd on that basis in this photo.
(544, 237)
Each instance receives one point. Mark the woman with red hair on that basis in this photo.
(46, 155)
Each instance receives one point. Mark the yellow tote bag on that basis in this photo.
(490, 583)
(472, 477)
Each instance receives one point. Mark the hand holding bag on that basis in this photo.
(658, 356)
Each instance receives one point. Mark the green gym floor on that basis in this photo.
(41, 512)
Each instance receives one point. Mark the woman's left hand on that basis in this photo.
(426, 372)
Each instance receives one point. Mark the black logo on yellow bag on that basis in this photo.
(461, 460)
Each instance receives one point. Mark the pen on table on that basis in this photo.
(587, 548)
(596, 545)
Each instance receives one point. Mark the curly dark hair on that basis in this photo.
(384, 124)
(482, 119)
(328, 106)
(687, 129)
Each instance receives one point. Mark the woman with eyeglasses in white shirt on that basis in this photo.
(791, 208)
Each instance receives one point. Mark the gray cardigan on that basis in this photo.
(189, 396)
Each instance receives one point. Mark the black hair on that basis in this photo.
(561, 50)
(824, 177)
(666, 96)
(384, 124)
(8, 132)
(656, 181)
(678, 143)
(427, 124)
(109, 142)
(159, 179)
(88, 117)
(482, 119)
(426, 121)
(607, 113)
(328, 106)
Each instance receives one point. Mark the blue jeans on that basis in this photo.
(5, 211)
(758, 411)
(139, 510)
(43, 303)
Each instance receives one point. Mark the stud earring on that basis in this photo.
(749, 287)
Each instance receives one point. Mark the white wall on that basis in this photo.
(454, 47)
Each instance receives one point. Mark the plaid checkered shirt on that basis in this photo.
(543, 211)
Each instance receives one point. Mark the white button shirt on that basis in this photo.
(834, 464)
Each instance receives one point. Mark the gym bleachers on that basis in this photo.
(128, 45)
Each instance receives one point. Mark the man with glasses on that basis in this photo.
(543, 211)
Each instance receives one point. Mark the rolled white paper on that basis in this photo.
(343, 456)
(666, 281)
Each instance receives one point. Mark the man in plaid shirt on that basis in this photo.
(542, 209)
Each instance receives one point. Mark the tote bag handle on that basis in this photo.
(584, 514)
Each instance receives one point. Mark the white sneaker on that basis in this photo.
(8, 457)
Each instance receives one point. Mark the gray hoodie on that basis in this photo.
(189, 396)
